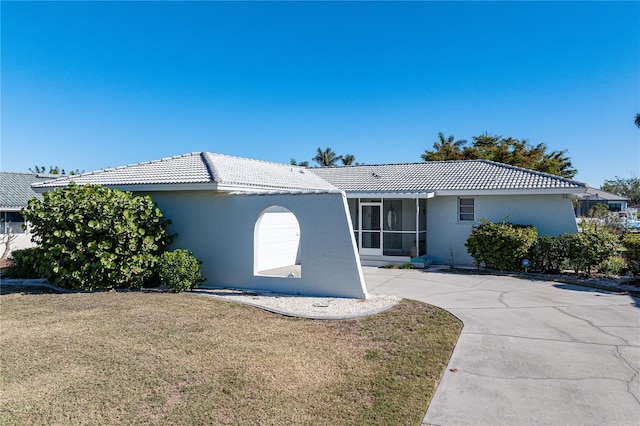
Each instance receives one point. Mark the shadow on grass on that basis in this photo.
(14, 289)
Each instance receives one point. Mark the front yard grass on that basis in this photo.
(157, 359)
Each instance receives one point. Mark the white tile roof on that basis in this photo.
(467, 175)
(15, 189)
(234, 173)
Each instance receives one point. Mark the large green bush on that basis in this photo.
(631, 243)
(24, 263)
(501, 245)
(548, 254)
(96, 238)
(590, 248)
(179, 270)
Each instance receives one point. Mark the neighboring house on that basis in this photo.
(15, 193)
(427, 210)
(254, 224)
(592, 197)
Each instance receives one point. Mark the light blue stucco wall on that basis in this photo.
(550, 214)
(219, 230)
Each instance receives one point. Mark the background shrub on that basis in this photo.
(548, 254)
(96, 238)
(615, 265)
(500, 245)
(25, 263)
(631, 243)
(590, 248)
(179, 270)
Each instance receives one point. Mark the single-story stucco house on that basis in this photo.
(254, 224)
(260, 225)
(437, 203)
(15, 193)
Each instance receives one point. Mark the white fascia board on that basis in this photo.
(410, 195)
(536, 191)
(11, 208)
(293, 192)
(266, 190)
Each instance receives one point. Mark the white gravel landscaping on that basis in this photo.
(305, 307)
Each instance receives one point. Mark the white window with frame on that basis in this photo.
(466, 209)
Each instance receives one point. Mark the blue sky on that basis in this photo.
(90, 85)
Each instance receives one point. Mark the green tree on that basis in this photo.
(91, 237)
(348, 159)
(511, 151)
(326, 158)
(53, 170)
(445, 149)
(293, 162)
(637, 120)
(629, 188)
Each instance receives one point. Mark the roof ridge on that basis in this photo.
(214, 173)
(254, 160)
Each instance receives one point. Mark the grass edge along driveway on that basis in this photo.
(148, 358)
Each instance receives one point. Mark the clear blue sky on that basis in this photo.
(90, 85)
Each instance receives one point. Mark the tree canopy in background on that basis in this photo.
(629, 188)
(516, 152)
(53, 170)
(326, 158)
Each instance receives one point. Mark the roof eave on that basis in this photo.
(520, 191)
(390, 194)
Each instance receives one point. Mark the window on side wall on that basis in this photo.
(466, 209)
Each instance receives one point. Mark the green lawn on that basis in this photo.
(161, 358)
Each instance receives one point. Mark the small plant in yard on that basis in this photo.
(590, 248)
(615, 265)
(549, 253)
(631, 243)
(179, 270)
(24, 263)
(500, 245)
(96, 238)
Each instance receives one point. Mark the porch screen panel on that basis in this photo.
(371, 226)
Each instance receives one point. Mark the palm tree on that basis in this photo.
(293, 162)
(445, 149)
(326, 158)
(637, 120)
(348, 159)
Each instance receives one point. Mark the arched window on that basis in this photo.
(276, 244)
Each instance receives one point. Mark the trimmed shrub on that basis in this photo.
(179, 270)
(615, 265)
(25, 263)
(590, 248)
(548, 254)
(96, 238)
(631, 243)
(501, 245)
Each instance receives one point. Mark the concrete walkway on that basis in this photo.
(531, 352)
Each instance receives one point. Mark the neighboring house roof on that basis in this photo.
(203, 170)
(16, 191)
(593, 194)
(445, 176)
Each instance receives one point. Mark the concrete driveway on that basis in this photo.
(531, 352)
